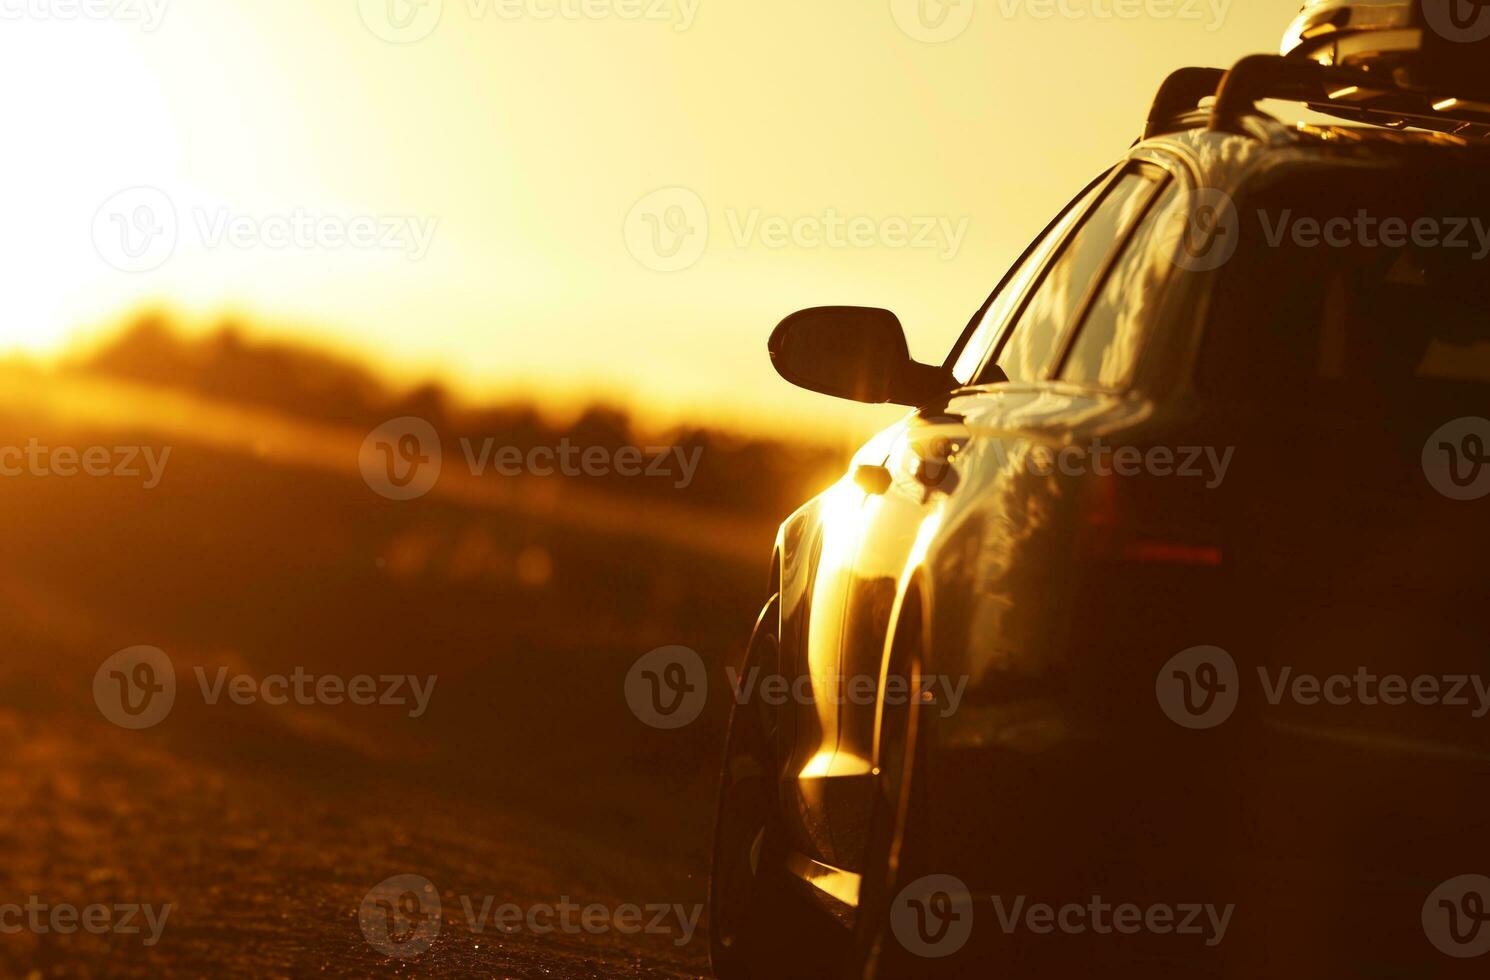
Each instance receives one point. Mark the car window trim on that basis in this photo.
(1111, 174)
(1129, 167)
(1099, 283)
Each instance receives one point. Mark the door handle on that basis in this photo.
(873, 480)
(936, 475)
(932, 463)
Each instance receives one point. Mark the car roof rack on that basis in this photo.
(1181, 92)
(1398, 64)
(1357, 94)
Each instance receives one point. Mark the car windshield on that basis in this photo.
(1378, 282)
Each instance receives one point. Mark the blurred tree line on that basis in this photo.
(751, 476)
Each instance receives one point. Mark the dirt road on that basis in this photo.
(524, 782)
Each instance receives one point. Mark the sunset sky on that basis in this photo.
(453, 188)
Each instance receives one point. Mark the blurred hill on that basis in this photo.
(264, 551)
(751, 477)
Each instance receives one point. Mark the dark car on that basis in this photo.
(1155, 639)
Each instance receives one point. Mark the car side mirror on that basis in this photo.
(854, 352)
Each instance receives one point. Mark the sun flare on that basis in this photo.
(36, 338)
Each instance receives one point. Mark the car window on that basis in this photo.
(1394, 310)
(1015, 287)
(1032, 344)
(1109, 338)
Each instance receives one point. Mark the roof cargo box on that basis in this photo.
(1437, 46)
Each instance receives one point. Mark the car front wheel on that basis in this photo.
(760, 927)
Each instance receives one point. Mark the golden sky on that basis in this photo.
(470, 187)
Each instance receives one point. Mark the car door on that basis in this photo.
(815, 774)
(948, 457)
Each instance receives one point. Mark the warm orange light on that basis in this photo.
(33, 338)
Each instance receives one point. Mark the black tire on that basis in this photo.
(897, 826)
(760, 928)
